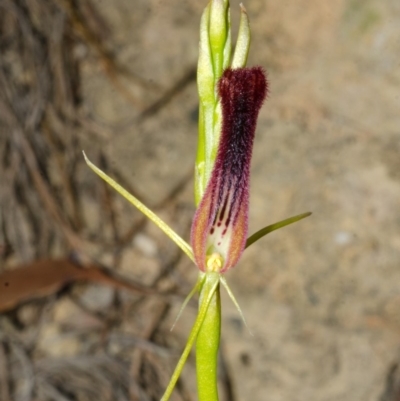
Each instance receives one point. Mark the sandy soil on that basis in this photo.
(322, 298)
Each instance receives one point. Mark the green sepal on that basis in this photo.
(144, 209)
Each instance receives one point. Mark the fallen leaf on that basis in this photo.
(44, 277)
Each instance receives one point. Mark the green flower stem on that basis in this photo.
(207, 345)
(209, 284)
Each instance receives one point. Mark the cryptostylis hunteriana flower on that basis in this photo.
(219, 230)
(230, 98)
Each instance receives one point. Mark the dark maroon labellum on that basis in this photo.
(220, 223)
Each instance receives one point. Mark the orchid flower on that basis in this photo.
(231, 97)
(219, 230)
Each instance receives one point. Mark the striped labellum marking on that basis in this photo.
(219, 229)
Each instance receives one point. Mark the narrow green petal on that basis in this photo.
(146, 211)
(236, 303)
(266, 230)
(197, 286)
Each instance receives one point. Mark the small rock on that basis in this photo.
(343, 237)
(145, 244)
(97, 297)
(53, 342)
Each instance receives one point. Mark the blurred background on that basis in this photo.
(89, 289)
